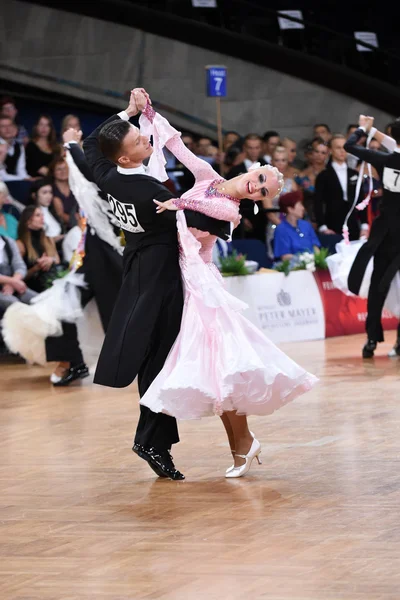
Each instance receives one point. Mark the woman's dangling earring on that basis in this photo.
(256, 209)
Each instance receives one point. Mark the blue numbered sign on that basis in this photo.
(216, 81)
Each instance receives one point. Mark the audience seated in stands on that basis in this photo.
(294, 161)
(14, 163)
(252, 225)
(294, 234)
(9, 109)
(280, 160)
(12, 273)
(43, 148)
(270, 141)
(38, 251)
(70, 121)
(64, 201)
(8, 221)
(318, 155)
(230, 138)
(323, 131)
(42, 196)
(203, 149)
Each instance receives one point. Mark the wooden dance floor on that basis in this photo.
(82, 517)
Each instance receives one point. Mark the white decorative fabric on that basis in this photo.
(161, 131)
(26, 326)
(51, 225)
(339, 265)
(93, 207)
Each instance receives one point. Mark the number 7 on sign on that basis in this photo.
(218, 83)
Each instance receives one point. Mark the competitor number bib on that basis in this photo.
(126, 215)
(391, 179)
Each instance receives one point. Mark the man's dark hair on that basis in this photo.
(6, 100)
(269, 134)
(111, 137)
(322, 125)
(230, 132)
(233, 152)
(351, 126)
(395, 130)
(187, 134)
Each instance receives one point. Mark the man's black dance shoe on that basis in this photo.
(369, 349)
(77, 372)
(160, 461)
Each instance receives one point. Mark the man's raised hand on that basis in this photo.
(72, 135)
(366, 121)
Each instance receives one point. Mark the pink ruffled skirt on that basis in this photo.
(220, 361)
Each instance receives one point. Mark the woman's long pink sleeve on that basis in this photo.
(197, 198)
(218, 208)
(199, 167)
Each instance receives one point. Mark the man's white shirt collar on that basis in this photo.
(142, 170)
(339, 167)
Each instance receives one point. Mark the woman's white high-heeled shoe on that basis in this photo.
(233, 452)
(253, 453)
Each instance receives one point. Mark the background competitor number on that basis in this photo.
(391, 179)
(126, 215)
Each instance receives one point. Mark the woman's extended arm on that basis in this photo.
(217, 208)
(166, 135)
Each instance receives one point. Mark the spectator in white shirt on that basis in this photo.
(335, 189)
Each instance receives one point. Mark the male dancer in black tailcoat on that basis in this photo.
(147, 316)
(384, 240)
(102, 268)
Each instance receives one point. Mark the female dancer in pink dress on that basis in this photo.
(220, 362)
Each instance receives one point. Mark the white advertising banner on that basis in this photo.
(286, 309)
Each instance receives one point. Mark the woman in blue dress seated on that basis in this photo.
(294, 234)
